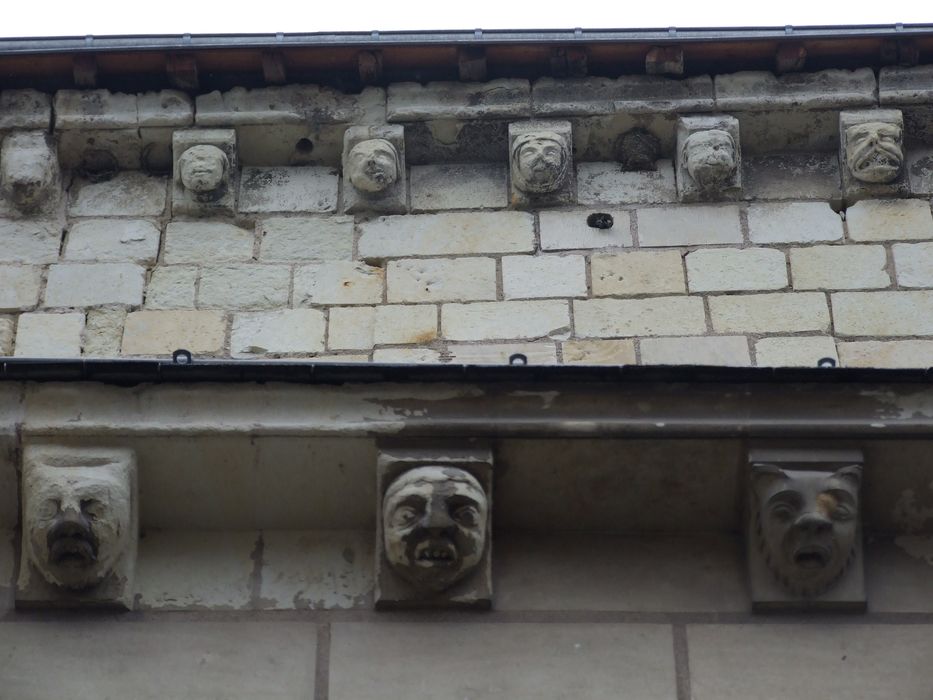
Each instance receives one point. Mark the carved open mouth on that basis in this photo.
(434, 553)
(74, 550)
(811, 557)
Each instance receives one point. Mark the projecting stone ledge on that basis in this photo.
(290, 104)
(828, 89)
(447, 100)
(629, 93)
(905, 86)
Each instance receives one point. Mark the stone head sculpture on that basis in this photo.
(28, 169)
(373, 166)
(78, 517)
(435, 523)
(874, 151)
(806, 524)
(539, 161)
(204, 171)
(710, 158)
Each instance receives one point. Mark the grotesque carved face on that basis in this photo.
(27, 169)
(78, 521)
(710, 158)
(373, 165)
(807, 524)
(434, 524)
(203, 170)
(540, 162)
(874, 151)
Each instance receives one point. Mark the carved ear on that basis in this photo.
(852, 473)
(764, 474)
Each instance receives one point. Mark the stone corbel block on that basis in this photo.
(708, 158)
(30, 180)
(433, 545)
(541, 171)
(25, 109)
(98, 131)
(80, 527)
(871, 154)
(803, 533)
(374, 172)
(205, 172)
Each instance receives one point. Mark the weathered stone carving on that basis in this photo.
(434, 529)
(205, 171)
(638, 149)
(872, 152)
(79, 526)
(804, 534)
(374, 169)
(709, 158)
(540, 163)
(29, 172)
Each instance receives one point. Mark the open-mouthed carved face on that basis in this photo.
(203, 169)
(78, 521)
(373, 165)
(874, 151)
(540, 162)
(434, 526)
(710, 158)
(27, 169)
(806, 524)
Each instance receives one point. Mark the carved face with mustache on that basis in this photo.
(434, 526)
(540, 162)
(806, 524)
(874, 151)
(77, 519)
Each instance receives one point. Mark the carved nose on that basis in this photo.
(813, 523)
(438, 520)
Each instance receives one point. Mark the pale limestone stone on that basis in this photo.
(338, 282)
(598, 352)
(103, 332)
(306, 238)
(94, 284)
(728, 351)
(458, 186)
(342, 358)
(607, 183)
(498, 99)
(689, 225)
(826, 89)
(808, 175)
(794, 351)
(638, 272)
(405, 324)
(839, 267)
(95, 109)
(769, 313)
(441, 279)
(506, 320)
(246, 286)
(734, 269)
(7, 331)
(275, 106)
(903, 85)
(609, 318)
(708, 158)
(889, 220)
(275, 332)
(914, 264)
(163, 332)
(25, 109)
(206, 242)
(127, 194)
(100, 152)
(499, 353)
(920, 170)
(29, 173)
(375, 175)
(541, 163)
(530, 277)
(793, 222)
(205, 172)
(630, 94)
(113, 240)
(570, 230)
(883, 313)
(172, 287)
(29, 241)
(165, 108)
(446, 234)
(351, 327)
(900, 354)
(293, 189)
(49, 335)
(871, 153)
(406, 356)
(19, 287)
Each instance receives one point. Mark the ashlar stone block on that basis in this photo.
(163, 332)
(25, 109)
(205, 172)
(338, 282)
(871, 154)
(434, 528)
(310, 189)
(127, 194)
(29, 173)
(374, 171)
(277, 332)
(19, 287)
(541, 168)
(412, 102)
(708, 158)
(49, 335)
(804, 535)
(112, 240)
(94, 284)
(80, 527)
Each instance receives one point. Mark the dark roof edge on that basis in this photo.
(131, 372)
(192, 42)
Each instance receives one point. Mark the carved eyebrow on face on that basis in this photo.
(789, 496)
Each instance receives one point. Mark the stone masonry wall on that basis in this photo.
(794, 269)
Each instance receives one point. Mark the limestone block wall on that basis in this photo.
(791, 270)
